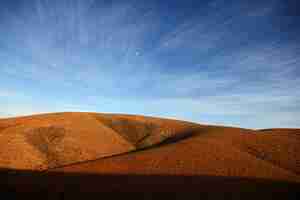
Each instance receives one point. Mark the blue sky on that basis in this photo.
(225, 62)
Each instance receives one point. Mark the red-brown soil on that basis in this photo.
(115, 145)
(235, 155)
(46, 141)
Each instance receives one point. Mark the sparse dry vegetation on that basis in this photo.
(160, 146)
(133, 131)
(48, 140)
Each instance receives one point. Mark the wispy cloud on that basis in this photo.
(221, 63)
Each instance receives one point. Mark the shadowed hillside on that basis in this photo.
(114, 152)
(58, 185)
(47, 141)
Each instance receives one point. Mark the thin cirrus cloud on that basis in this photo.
(221, 62)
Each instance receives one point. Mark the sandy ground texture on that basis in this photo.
(47, 141)
(122, 145)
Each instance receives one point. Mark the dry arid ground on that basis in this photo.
(65, 154)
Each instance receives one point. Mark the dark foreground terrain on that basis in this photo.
(91, 155)
(58, 185)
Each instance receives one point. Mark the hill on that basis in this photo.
(154, 153)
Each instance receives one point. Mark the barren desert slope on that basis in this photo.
(117, 144)
(47, 141)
